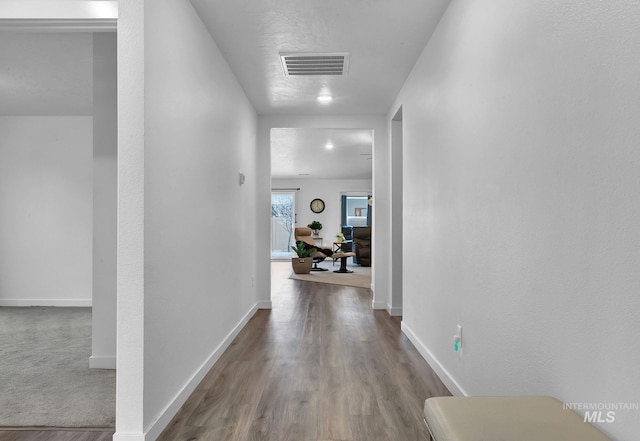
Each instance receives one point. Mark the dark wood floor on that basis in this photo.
(55, 435)
(320, 366)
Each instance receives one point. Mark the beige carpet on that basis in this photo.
(360, 277)
(45, 379)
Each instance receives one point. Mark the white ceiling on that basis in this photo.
(46, 73)
(383, 37)
(303, 151)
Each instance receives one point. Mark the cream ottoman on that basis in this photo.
(343, 261)
(505, 419)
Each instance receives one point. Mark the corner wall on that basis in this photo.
(186, 132)
(105, 200)
(521, 180)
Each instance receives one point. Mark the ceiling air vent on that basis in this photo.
(301, 64)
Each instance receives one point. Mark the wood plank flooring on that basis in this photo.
(55, 435)
(320, 366)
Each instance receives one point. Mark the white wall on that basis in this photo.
(105, 200)
(130, 362)
(394, 300)
(521, 175)
(381, 193)
(45, 210)
(329, 190)
(199, 134)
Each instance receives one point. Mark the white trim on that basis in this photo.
(102, 362)
(67, 303)
(59, 15)
(58, 25)
(264, 304)
(59, 9)
(128, 437)
(356, 193)
(394, 312)
(442, 373)
(155, 429)
(378, 305)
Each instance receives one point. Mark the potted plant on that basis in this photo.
(302, 264)
(315, 226)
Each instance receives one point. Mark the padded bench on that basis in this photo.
(505, 419)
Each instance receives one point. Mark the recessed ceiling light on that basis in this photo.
(329, 145)
(325, 99)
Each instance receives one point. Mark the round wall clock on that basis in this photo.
(317, 205)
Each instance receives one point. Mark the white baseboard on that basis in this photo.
(102, 362)
(444, 375)
(127, 437)
(67, 303)
(264, 304)
(394, 312)
(156, 428)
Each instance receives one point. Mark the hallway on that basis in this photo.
(320, 366)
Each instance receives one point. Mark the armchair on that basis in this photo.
(362, 242)
(304, 234)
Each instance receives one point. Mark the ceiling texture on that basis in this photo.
(303, 153)
(382, 39)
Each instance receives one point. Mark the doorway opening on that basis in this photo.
(60, 158)
(319, 166)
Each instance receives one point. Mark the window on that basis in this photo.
(282, 224)
(356, 211)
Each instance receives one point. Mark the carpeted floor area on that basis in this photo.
(44, 366)
(360, 277)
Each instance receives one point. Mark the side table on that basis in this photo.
(339, 247)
